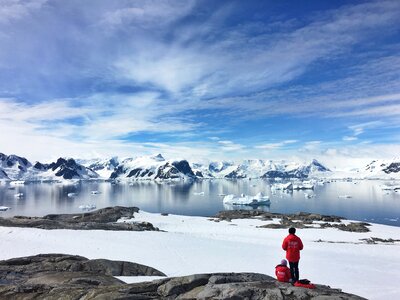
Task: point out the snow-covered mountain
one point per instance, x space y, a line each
287 171
256 168
381 169
103 167
66 169
13 167
152 167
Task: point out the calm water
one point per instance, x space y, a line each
368 202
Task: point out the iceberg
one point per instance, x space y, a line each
258 199
390 187
282 186
4 208
17 182
87 207
303 186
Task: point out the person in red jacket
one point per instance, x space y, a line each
292 244
282 272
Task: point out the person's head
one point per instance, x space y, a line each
284 262
292 230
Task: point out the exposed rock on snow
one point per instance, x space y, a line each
289 171
104 219
66 169
152 168
55 276
298 220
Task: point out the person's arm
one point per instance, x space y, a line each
284 244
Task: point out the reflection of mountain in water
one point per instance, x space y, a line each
368 203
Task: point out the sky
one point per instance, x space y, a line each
202 80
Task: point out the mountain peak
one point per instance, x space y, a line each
158 157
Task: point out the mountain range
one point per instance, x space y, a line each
13 167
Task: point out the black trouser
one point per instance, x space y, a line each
294 270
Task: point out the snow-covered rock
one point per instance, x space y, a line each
300 171
103 167
13 166
152 168
3 175
382 169
64 169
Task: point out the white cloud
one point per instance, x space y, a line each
11 10
349 138
230 146
274 146
148 13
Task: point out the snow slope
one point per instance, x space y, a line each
198 245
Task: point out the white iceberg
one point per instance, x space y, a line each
71 195
87 207
282 186
17 182
258 199
303 186
4 208
390 187
198 193
19 195
95 192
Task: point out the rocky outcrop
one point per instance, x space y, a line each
57 276
104 219
298 220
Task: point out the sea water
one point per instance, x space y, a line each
362 200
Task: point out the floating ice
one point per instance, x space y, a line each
258 199
87 207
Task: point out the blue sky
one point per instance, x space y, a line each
201 79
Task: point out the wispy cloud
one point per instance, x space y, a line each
103 73
274 146
230 146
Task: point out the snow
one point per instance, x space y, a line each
201 245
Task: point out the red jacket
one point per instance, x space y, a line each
282 273
292 245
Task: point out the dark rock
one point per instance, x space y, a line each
298 220
183 167
392 168
235 175
81 285
117 171
104 219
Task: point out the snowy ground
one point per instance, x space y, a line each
198 245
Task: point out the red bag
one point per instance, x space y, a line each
304 283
